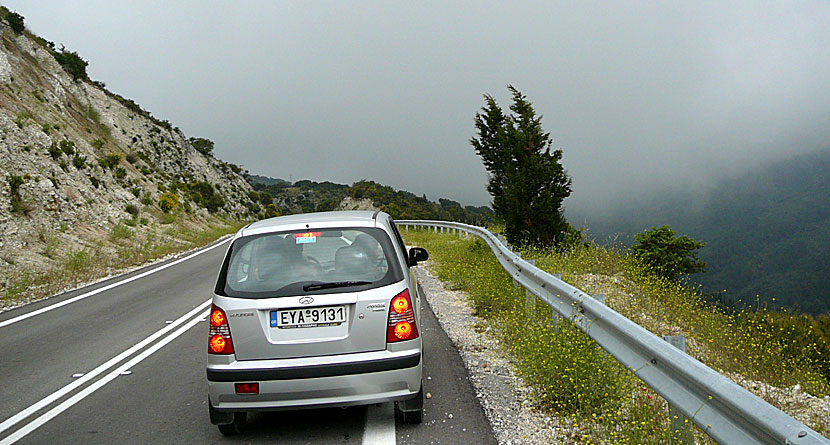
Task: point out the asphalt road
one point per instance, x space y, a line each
127 365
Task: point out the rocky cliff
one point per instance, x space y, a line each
83 169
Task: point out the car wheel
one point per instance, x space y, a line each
412 416
235 427
412 410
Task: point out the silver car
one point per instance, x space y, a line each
313 311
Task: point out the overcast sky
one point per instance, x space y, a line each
640 96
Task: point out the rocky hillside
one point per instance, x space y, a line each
83 169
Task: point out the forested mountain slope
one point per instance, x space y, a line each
310 196
767 232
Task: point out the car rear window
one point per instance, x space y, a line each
291 263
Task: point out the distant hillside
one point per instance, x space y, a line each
88 177
767 232
309 196
264 180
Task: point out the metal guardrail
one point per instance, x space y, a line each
723 409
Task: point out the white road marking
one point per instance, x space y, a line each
49 415
380 425
107 287
46 401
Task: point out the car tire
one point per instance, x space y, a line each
412 410
412 416
235 427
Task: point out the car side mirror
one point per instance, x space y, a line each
417 254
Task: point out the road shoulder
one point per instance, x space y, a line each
506 400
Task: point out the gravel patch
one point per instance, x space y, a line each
507 401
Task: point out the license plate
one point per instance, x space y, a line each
308 317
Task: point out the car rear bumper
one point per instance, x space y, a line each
353 379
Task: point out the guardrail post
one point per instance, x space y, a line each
600 298
681 426
406 228
530 299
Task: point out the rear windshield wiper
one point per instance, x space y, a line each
334 284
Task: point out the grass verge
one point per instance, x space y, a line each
574 379
123 248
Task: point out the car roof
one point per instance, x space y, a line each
354 218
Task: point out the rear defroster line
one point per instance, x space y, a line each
190 319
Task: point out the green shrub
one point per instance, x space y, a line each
120 173
202 145
79 161
136 191
46 128
54 151
271 211
72 63
98 144
16 22
18 206
147 199
110 161
669 255
15 182
168 202
68 147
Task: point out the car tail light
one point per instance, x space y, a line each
219 336
247 388
401 324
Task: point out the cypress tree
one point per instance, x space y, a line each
525 174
